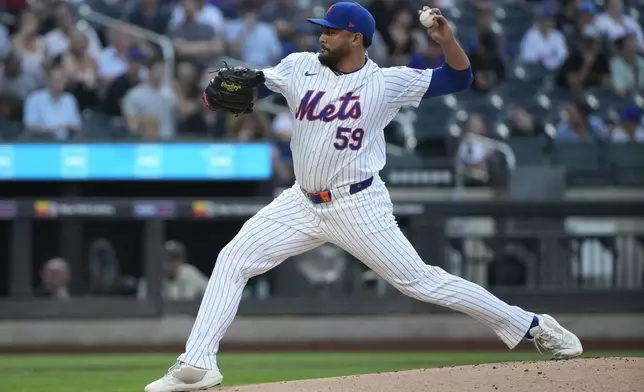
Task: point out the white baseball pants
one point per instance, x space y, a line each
363 224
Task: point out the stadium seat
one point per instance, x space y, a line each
627 163
433 116
516 91
9 130
584 162
28 136
599 98
536 73
517 11
97 126
528 151
490 107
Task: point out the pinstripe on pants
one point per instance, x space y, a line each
364 225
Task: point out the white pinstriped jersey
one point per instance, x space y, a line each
338 137
338 140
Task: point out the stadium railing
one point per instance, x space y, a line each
563 265
87 14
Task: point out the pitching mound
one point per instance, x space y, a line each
582 375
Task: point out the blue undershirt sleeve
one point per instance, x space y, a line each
447 80
263 92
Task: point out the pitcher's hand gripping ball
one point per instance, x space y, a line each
233 90
427 17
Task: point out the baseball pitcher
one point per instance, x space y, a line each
341 102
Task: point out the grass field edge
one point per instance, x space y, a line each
317 346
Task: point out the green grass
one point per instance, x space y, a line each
130 372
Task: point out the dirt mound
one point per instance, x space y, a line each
583 375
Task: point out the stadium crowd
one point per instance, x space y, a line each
61 78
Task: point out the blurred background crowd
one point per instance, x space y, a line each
105 70
568 69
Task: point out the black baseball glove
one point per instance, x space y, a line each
233 89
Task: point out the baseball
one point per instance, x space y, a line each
427 18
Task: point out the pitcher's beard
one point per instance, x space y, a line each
331 58
328 61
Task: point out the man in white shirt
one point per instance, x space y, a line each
154 100
473 153
113 60
181 281
614 23
630 128
57 41
543 44
194 41
52 111
252 40
207 14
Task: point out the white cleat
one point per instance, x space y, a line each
183 378
551 336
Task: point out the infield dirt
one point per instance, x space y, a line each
582 375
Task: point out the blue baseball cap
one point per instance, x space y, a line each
348 16
586 6
632 113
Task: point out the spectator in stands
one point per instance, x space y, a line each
301 40
55 277
253 41
627 67
486 23
378 49
154 99
57 40
383 12
113 61
487 64
249 128
586 66
614 23
5 42
121 85
630 128
81 71
281 10
284 15
523 124
473 153
442 4
204 12
28 44
148 16
574 18
52 112
544 45
188 93
427 54
567 16
16 83
401 36
181 280
579 124
44 10
194 40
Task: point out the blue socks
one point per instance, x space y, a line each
535 323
